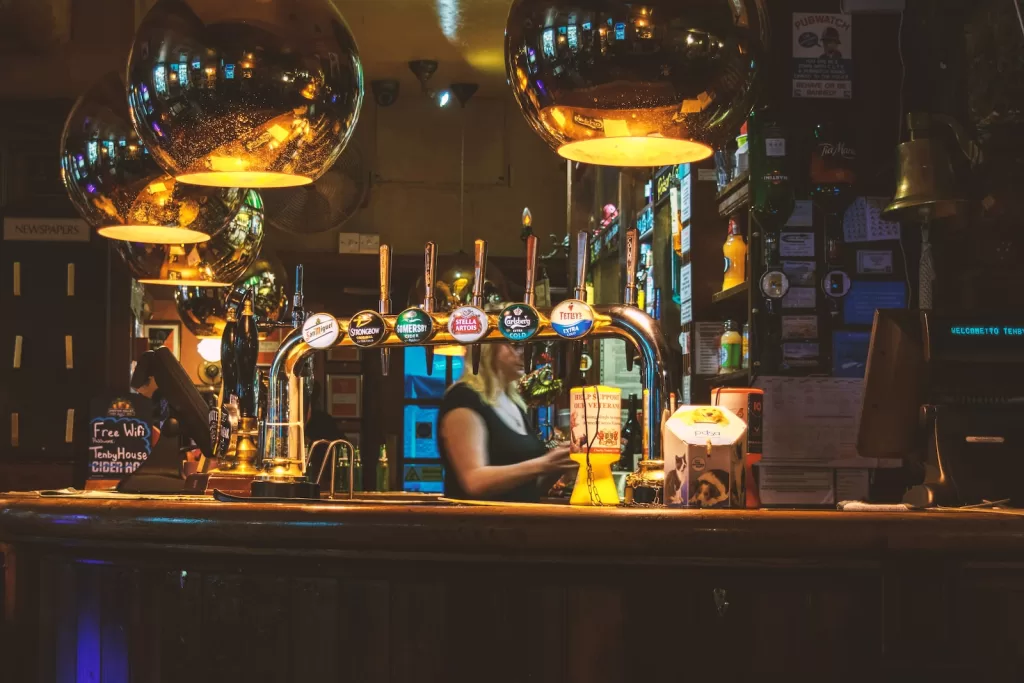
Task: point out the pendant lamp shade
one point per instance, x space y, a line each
245 94
203 310
629 84
218 262
118 188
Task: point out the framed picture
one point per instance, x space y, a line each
343 397
167 334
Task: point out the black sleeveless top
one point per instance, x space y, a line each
504 445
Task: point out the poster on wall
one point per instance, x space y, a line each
822 56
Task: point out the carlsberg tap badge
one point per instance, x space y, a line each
518 322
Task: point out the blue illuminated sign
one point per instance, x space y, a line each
958 331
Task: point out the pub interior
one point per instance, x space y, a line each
511 340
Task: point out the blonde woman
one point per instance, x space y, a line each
488 448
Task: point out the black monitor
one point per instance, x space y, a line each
190 409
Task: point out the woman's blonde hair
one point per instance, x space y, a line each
487 383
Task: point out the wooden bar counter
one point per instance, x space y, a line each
169 590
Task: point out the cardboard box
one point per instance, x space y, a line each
704 458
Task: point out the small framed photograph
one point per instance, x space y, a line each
344 396
167 334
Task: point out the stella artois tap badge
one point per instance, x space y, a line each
468 324
518 322
572 319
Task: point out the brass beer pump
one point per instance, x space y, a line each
479 274
284 460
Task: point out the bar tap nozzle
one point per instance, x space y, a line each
429 279
384 305
479 276
629 297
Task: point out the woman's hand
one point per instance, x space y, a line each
557 461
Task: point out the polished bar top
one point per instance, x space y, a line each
495 531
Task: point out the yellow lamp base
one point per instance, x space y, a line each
602 490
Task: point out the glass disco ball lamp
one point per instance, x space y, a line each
245 94
635 84
203 310
218 262
117 187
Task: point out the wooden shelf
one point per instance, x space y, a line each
735 196
731 293
729 377
733 185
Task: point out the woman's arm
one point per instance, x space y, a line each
465 438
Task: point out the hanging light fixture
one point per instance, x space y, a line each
118 188
218 262
252 94
203 310
627 84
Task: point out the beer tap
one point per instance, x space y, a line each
298 309
479 275
629 297
530 297
429 279
580 292
384 305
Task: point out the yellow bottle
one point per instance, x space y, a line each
735 251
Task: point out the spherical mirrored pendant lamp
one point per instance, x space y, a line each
245 94
203 310
218 262
118 188
635 84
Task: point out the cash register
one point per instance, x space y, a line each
946 393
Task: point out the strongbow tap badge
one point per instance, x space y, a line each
572 319
367 328
468 324
518 322
414 326
320 330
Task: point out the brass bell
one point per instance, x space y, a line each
926 189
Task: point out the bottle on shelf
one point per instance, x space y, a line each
383 481
247 348
771 184
746 346
632 439
735 252
357 464
730 358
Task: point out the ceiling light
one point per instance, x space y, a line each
117 187
642 89
218 262
443 98
276 109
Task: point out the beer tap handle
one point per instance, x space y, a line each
479 277
582 258
429 280
298 300
384 306
531 270
632 249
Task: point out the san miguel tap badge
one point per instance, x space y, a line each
414 326
572 319
367 328
518 322
468 324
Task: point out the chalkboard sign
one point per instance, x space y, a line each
120 436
